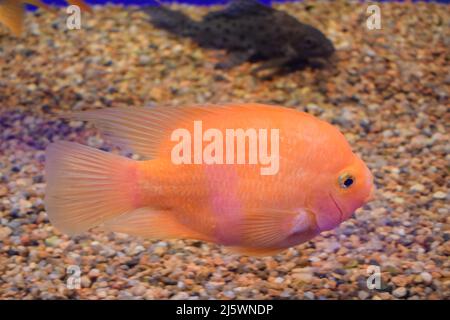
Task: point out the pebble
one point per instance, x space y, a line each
363 295
229 294
53 241
426 277
440 195
85 282
144 60
139 290
4 233
302 274
278 280
309 295
181 296
94 273
400 292
417 188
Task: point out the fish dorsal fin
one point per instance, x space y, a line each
238 8
141 130
246 7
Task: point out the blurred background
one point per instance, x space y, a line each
386 89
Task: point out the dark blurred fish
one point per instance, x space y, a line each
249 31
12 12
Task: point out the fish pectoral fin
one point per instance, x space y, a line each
152 224
234 59
276 63
263 230
12 14
266 227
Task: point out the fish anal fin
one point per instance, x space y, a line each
255 252
152 224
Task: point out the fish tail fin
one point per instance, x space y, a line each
87 187
173 21
12 14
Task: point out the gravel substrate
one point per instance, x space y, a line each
388 91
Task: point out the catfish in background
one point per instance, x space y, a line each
250 31
12 12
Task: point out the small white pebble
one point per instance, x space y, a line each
94 273
279 280
309 295
417 188
363 295
400 292
440 195
229 294
426 277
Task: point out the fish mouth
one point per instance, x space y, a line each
337 207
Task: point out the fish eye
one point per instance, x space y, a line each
346 181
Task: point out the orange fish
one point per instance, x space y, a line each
12 12
195 184
80 3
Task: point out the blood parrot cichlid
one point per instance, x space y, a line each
317 182
12 12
